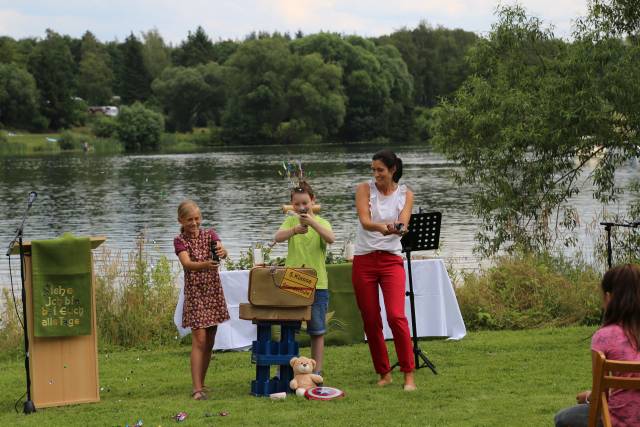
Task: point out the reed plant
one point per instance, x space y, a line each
106 146
523 291
10 324
135 298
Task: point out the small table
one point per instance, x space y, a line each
437 311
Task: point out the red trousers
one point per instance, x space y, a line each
386 270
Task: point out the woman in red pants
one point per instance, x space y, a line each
384 208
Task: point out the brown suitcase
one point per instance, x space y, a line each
252 312
267 290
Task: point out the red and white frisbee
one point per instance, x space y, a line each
323 393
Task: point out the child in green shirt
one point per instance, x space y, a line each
307 236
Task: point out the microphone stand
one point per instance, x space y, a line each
29 407
607 227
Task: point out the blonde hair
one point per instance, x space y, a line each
185 208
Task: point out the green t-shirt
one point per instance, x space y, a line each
308 249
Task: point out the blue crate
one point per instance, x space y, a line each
266 353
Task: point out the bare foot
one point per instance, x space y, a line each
199 395
409 384
385 379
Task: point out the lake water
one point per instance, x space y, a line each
238 189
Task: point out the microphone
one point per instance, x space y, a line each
32 198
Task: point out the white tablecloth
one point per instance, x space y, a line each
437 311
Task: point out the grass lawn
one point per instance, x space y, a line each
29 143
489 378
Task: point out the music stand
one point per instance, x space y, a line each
607 227
423 234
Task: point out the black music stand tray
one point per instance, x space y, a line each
607 227
423 234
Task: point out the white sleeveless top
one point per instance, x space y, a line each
383 209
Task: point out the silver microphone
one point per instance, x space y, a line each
32 198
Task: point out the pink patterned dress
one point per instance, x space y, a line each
624 405
204 303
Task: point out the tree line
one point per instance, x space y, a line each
267 88
528 117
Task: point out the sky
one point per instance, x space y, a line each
234 19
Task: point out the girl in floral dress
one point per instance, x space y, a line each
204 304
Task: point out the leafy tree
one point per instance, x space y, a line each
157 56
180 90
399 107
215 95
116 59
277 95
258 103
222 50
52 66
8 50
316 99
18 97
375 80
139 128
75 48
197 49
435 57
609 36
191 95
95 79
611 18
528 124
135 80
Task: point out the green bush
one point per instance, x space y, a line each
104 127
205 137
39 123
171 143
296 132
139 128
69 141
530 291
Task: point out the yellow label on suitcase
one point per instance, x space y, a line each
298 283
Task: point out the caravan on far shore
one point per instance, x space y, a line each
107 110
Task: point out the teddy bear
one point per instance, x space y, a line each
303 376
